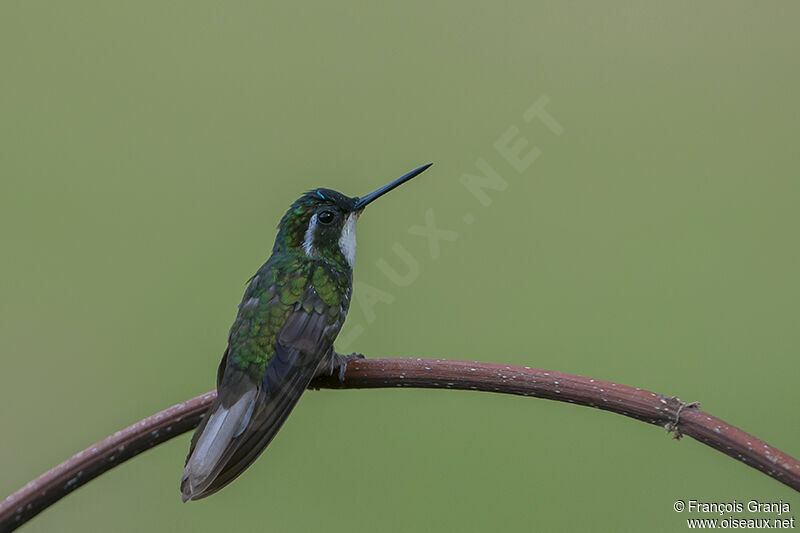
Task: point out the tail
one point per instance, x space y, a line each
241 425
214 442
249 412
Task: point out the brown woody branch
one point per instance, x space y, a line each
669 412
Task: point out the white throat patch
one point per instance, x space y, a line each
347 241
308 242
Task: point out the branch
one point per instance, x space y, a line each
669 412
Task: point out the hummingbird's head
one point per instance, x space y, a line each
322 222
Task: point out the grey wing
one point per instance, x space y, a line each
304 343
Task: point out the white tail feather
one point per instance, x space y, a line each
223 426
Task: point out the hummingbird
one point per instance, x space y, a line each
291 312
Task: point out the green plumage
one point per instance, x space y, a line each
290 314
278 288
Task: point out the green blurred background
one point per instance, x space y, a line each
148 149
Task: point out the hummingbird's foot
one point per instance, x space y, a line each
340 361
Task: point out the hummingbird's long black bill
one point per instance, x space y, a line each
362 202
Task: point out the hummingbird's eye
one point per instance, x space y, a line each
325 217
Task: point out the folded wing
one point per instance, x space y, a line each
244 419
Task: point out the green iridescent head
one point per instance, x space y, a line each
322 222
